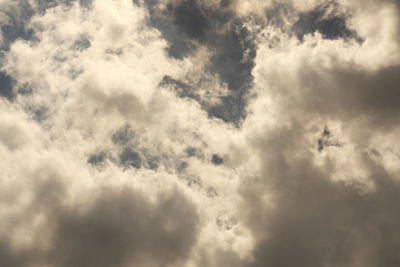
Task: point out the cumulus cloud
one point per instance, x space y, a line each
199 133
123 227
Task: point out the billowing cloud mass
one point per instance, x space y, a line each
217 133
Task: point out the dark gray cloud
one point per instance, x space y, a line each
118 228
123 228
352 93
314 221
10 257
221 258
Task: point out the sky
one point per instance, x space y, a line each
199 133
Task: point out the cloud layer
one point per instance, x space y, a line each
199 133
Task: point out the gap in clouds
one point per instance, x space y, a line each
188 25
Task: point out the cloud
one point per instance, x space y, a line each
324 20
199 133
123 227
193 25
333 207
117 227
302 212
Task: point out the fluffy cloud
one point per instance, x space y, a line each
199 133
